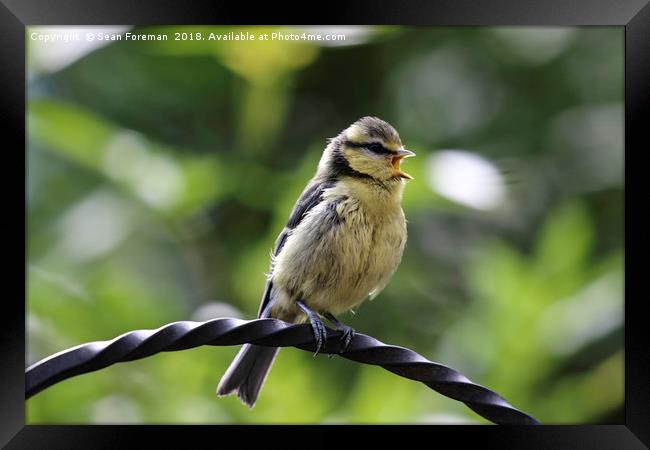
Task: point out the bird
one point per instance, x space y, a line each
341 245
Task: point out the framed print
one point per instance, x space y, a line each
176 158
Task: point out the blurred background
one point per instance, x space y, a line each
159 174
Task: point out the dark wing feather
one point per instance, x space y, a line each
310 197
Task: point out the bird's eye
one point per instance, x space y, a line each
376 147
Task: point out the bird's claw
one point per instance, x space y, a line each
346 337
320 333
347 333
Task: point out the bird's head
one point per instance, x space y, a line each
369 148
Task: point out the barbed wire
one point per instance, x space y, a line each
184 335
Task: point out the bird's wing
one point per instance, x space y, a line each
311 196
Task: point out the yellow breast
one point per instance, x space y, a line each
345 248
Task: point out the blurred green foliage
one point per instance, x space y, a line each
160 173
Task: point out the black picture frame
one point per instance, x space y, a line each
633 15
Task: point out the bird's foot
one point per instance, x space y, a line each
347 332
320 333
346 338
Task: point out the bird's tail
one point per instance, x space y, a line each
247 373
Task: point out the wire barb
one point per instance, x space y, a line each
184 335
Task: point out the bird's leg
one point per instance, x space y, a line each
348 332
320 333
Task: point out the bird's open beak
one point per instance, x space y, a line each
397 159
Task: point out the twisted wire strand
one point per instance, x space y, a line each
183 335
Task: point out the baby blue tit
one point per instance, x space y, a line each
343 242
